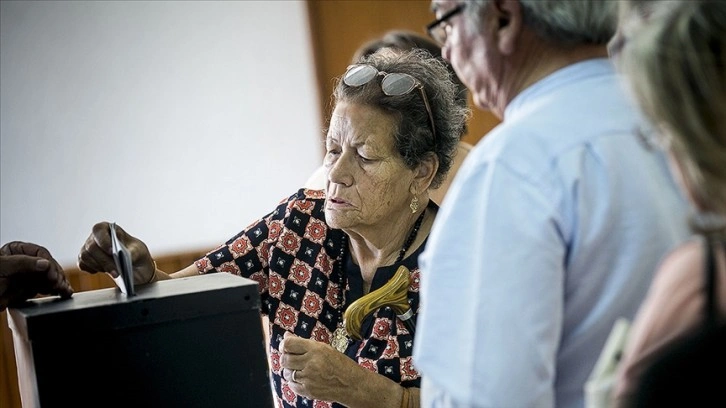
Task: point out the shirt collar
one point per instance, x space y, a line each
570 74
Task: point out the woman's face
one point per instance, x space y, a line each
368 184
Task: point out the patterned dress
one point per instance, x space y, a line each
295 257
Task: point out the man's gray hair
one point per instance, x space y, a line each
565 22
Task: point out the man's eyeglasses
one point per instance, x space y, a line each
437 29
393 84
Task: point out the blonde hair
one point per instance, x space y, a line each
393 294
676 67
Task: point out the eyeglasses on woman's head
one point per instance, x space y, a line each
393 84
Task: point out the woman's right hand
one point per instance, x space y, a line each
96 254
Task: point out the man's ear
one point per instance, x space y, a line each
424 174
509 24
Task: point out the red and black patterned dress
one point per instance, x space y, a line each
294 255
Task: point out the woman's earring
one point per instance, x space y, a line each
414 205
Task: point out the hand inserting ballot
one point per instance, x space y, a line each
97 254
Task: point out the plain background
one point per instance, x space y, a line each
180 121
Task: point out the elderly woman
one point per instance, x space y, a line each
391 139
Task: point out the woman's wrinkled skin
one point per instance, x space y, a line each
369 188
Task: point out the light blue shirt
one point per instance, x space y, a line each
551 230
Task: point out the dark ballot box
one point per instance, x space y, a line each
189 342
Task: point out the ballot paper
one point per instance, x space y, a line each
122 259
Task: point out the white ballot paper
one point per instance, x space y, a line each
122 258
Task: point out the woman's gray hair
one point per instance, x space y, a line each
414 139
565 22
676 67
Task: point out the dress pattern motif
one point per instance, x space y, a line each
291 254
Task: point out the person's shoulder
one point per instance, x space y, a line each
299 209
306 195
674 303
311 194
681 270
515 145
686 258
576 102
307 200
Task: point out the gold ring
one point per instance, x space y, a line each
292 377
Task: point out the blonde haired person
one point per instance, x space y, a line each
675 66
555 223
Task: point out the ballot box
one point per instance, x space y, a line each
189 342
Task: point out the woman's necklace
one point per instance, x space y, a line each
340 339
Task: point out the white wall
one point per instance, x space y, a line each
181 121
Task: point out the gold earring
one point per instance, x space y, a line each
414 205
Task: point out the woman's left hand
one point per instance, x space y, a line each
316 370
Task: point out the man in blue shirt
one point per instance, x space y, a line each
556 221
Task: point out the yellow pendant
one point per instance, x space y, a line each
340 339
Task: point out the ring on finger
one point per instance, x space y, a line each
292 376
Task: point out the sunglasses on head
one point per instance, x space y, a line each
393 84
